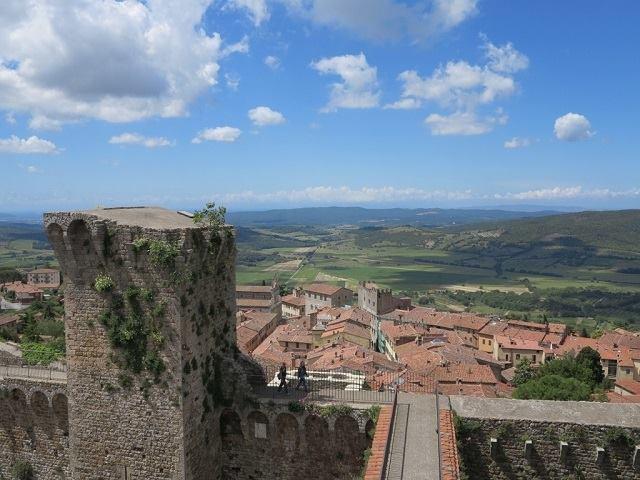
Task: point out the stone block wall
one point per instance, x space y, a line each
545 461
34 428
273 442
151 359
583 427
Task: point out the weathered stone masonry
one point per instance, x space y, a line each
563 439
34 427
146 408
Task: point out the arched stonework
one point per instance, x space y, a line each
287 432
258 425
60 410
82 249
316 431
56 238
39 403
347 436
230 426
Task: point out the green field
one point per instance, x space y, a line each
555 259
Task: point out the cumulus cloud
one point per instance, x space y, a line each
108 60
504 59
463 123
137 139
256 9
464 90
387 19
572 127
218 134
359 85
517 142
31 145
272 62
264 116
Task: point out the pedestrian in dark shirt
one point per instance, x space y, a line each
282 376
302 377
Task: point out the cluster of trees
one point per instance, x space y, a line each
567 302
40 332
570 377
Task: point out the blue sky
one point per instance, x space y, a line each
283 103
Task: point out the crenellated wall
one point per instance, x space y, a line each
272 442
534 439
34 427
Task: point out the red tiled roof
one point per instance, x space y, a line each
375 463
323 288
465 374
617 398
293 300
253 303
517 343
44 270
631 386
450 463
254 288
620 338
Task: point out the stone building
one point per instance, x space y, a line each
260 298
149 299
322 295
380 301
44 277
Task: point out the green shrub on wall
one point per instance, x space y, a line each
22 470
103 283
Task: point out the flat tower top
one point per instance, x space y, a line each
146 217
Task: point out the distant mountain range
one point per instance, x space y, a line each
358 216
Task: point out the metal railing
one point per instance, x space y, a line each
32 372
343 385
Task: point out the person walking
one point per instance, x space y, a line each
282 376
302 377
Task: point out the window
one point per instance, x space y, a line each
517 356
507 357
533 358
483 341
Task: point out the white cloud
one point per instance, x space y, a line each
117 61
344 194
572 127
137 139
218 134
387 19
463 123
359 86
272 62
29 145
464 90
517 142
504 59
256 9
30 169
10 118
263 116
404 104
233 81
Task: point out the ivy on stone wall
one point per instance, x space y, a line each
133 333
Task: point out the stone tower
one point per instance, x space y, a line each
150 332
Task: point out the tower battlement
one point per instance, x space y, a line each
150 332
